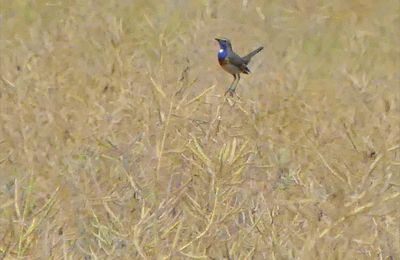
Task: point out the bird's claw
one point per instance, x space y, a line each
230 91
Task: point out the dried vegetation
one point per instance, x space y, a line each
116 141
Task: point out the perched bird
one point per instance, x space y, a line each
233 63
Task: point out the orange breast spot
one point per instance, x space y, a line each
222 62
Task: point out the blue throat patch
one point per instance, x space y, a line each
222 53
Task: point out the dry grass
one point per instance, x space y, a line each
116 141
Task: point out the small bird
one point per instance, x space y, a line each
233 63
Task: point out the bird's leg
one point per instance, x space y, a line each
237 82
230 89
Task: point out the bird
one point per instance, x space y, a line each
233 63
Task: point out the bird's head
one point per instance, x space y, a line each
224 43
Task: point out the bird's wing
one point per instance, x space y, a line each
236 60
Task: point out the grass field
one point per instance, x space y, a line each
116 140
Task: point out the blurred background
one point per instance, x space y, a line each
116 140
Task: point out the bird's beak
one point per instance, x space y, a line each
217 39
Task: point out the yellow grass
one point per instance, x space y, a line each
116 141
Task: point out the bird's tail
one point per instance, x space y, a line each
248 57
